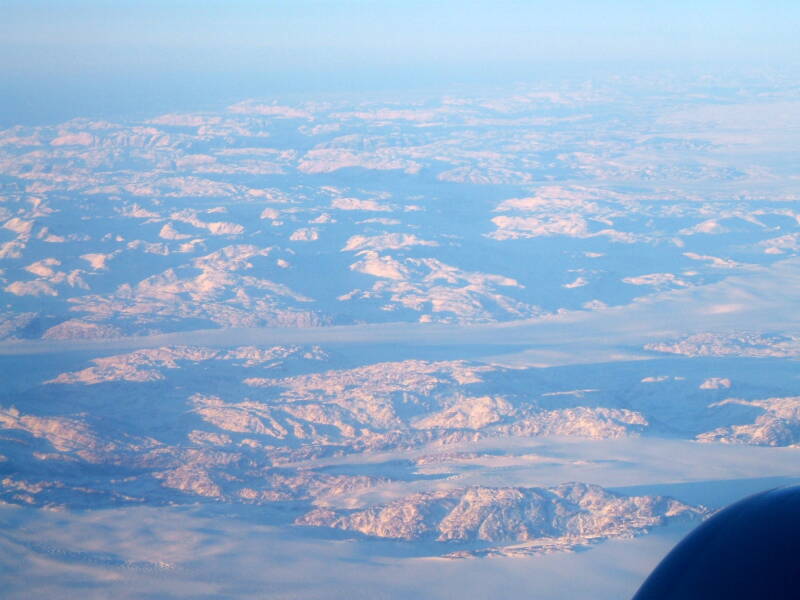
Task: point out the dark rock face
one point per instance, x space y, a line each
749 550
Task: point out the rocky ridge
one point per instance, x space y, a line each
256 425
540 520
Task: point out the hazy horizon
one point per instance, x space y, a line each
104 59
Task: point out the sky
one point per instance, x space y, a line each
60 57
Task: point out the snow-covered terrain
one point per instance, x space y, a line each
550 326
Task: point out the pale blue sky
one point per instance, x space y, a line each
325 30
146 47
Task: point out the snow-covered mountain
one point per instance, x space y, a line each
380 332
